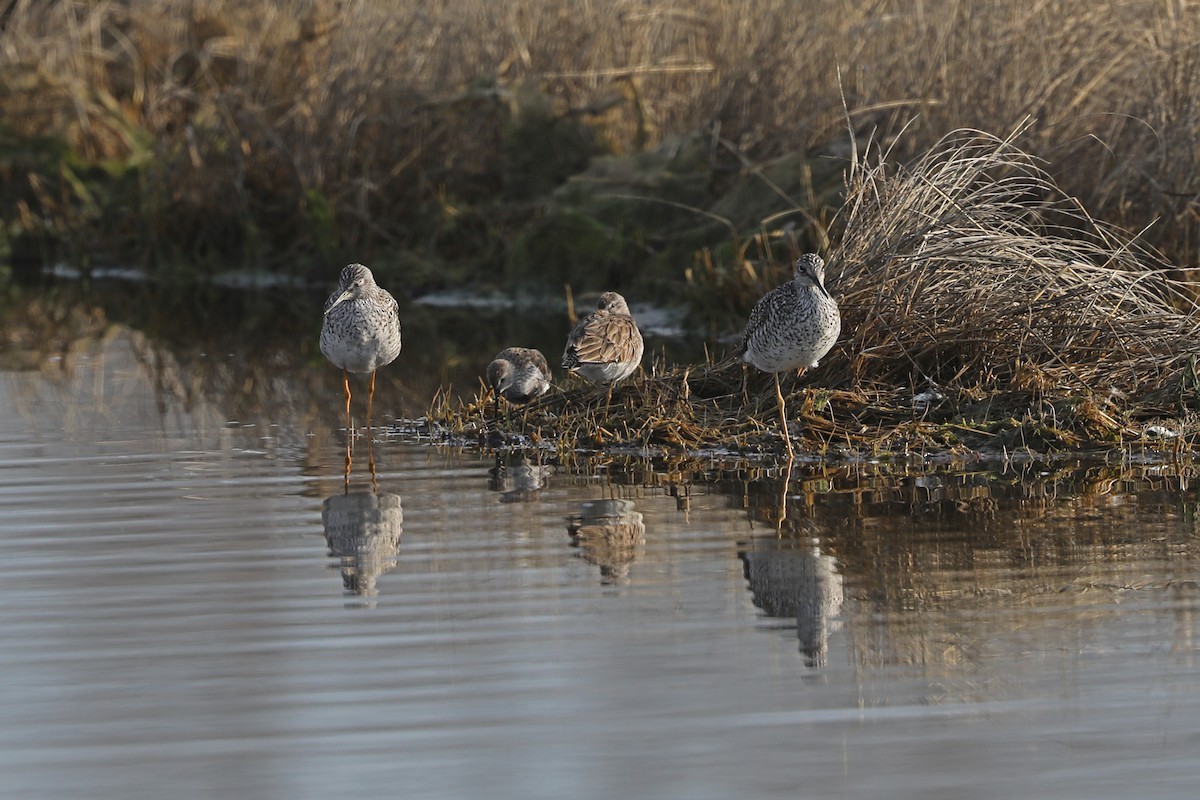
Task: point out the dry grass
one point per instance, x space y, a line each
388 129
971 266
968 278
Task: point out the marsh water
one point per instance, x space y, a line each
193 603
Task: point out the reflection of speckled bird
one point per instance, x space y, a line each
516 478
792 326
606 345
363 533
361 331
519 374
795 579
610 534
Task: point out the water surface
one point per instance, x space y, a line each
194 605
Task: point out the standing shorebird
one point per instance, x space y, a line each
520 374
606 345
361 332
791 327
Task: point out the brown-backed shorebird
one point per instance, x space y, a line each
520 374
791 327
361 332
606 345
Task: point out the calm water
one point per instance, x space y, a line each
193 606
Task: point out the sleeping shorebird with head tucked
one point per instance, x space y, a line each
791 327
361 330
606 345
519 374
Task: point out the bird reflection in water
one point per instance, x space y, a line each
791 577
518 479
609 534
363 530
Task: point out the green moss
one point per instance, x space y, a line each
540 148
323 229
571 246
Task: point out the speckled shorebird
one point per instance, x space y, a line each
520 374
606 345
361 332
791 327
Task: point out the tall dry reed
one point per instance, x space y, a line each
322 127
971 267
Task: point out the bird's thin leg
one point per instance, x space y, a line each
370 438
370 398
745 381
346 382
787 437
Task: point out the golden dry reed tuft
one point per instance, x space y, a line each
981 308
350 126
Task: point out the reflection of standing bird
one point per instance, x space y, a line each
610 534
795 579
792 326
606 345
363 533
361 332
520 374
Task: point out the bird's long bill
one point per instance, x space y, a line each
820 286
346 295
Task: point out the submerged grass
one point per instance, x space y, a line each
701 410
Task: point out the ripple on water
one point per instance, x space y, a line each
185 614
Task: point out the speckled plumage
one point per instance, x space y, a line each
606 345
361 331
519 374
791 327
795 324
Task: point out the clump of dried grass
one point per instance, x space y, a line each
966 276
971 269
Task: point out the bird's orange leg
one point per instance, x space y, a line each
370 399
370 448
783 421
346 382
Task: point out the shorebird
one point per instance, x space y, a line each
520 374
606 345
361 331
791 327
